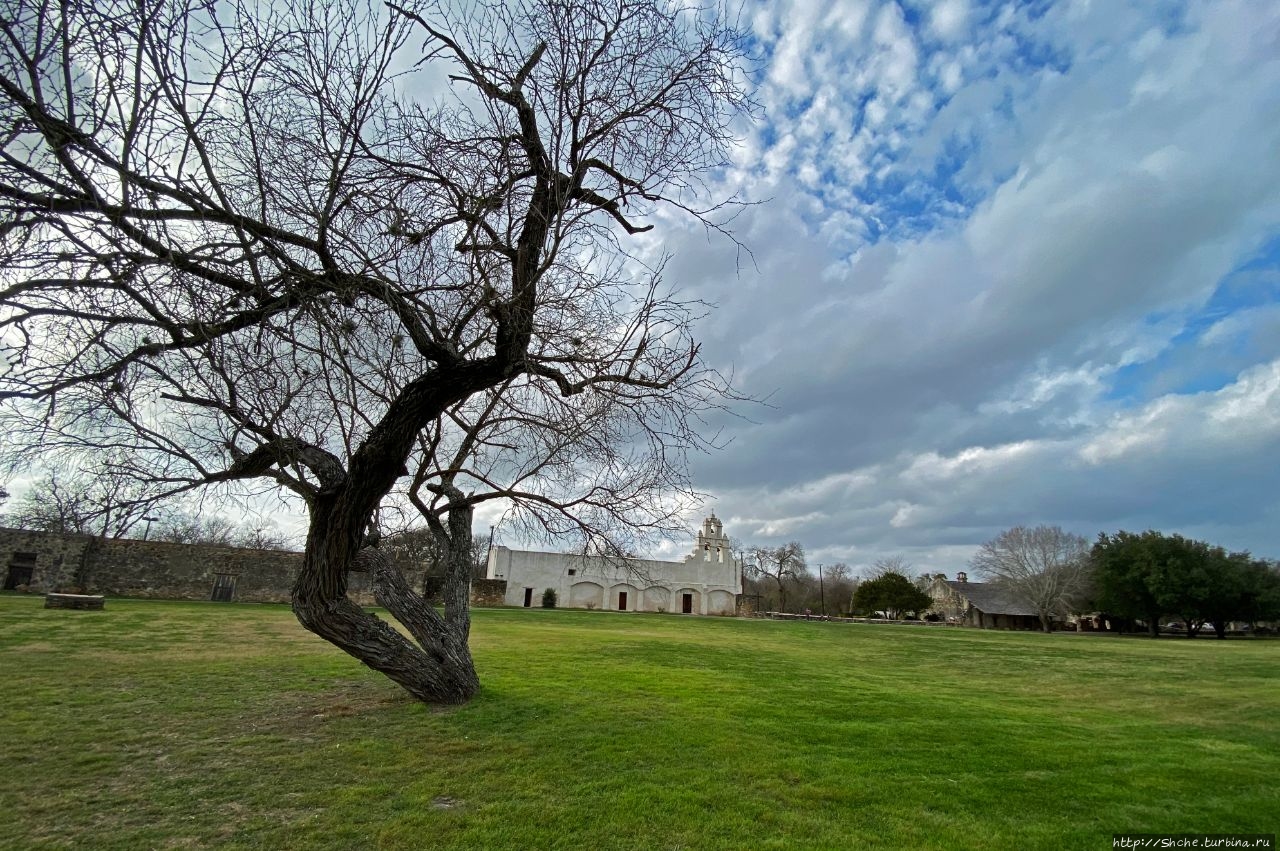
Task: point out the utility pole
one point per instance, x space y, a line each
822 597
488 553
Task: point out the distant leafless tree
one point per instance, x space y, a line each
75 502
257 537
180 528
1044 567
421 549
781 565
891 564
840 585
249 245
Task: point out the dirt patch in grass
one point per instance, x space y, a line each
296 712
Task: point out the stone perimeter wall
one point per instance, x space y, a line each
162 570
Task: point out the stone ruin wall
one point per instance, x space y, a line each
161 570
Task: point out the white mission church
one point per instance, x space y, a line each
707 582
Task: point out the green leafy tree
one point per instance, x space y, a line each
1262 591
1187 577
1244 588
549 598
1123 564
1152 575
891 593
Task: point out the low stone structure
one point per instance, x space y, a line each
708 581
88 602
488 592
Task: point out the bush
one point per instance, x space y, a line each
549 598
892 593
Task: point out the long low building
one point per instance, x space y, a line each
707 582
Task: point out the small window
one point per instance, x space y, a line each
573 571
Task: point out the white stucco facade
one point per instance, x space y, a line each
707 582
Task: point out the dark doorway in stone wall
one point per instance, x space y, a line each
21 567
528 598
686 604
18 575
622 601
224 587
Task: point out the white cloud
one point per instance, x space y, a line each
949 18
961 374
1236 419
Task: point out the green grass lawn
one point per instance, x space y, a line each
172 725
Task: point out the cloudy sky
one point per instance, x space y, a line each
1019 265
1014 263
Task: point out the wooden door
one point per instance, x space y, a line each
622 601
224 587
686 603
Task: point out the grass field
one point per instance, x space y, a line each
172 725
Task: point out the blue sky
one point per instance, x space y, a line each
1017 263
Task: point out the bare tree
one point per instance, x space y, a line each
259 537
247 245
1044 567
890 564
67 501
182 528
781 565
841 584
420 549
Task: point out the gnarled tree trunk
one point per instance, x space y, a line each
436 666
436 669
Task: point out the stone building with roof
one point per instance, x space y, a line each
980 604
